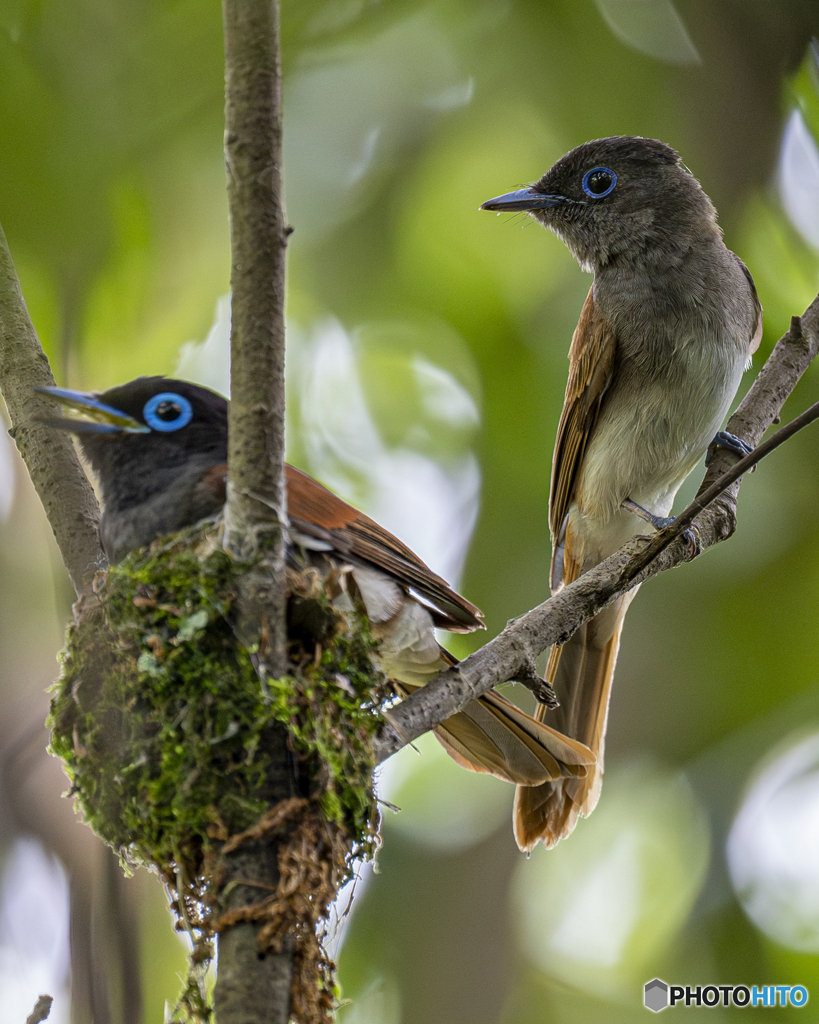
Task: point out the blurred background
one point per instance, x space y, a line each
427 363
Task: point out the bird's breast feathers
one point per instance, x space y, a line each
669 389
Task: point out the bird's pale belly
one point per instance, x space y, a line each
647 441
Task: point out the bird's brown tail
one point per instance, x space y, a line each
582 681
493 736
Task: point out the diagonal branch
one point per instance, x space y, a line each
712 513
49 455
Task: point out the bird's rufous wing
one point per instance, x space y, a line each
317 512
591 364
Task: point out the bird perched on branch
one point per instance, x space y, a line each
670 323
158 449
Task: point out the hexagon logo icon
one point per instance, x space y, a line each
655 995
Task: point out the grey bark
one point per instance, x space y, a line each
256 500
62 486
254 987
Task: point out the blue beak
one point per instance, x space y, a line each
522 200
99 417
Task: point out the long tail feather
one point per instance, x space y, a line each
548 812
493 736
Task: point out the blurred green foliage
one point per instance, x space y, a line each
400 119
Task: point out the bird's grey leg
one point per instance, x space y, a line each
722 439
690 534
658 522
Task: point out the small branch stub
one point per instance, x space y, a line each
42 1008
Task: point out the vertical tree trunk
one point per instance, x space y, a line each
256 501
253 988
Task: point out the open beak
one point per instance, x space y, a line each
522 200
91 416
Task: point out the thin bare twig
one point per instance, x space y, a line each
518 645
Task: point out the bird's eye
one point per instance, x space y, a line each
167 411
599 182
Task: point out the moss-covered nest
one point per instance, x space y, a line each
169 737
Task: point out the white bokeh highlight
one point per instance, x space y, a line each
596 911
441 806
773 847
350 111
34 930
609 895
6 471
432 507
798 178
652 27
379 1003
208 362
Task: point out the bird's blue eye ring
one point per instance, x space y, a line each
167 411
599 182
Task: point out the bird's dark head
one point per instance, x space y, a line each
621 198
139 434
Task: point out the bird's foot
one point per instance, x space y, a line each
691 535
731 443
540 687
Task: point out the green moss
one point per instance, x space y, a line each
164 727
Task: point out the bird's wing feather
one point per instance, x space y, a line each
591 362
319 513
756 337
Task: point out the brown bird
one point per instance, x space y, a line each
158 449
670 323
